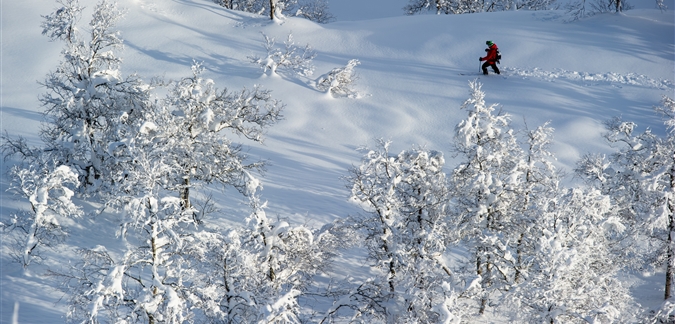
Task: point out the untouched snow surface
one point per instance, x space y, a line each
413 77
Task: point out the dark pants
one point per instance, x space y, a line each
493 65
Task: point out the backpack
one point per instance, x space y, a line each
499 55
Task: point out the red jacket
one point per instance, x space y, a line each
491 56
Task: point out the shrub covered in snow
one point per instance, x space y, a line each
291 57
339 81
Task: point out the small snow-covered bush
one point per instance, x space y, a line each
315 10
291 57
339 81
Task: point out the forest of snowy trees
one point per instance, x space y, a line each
318 10
498 233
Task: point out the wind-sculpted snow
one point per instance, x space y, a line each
617 79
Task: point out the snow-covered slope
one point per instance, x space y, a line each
413 78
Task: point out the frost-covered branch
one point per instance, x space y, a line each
61 24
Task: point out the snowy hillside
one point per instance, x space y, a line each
413 78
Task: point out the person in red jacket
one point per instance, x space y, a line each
491 58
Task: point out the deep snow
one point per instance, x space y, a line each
414 76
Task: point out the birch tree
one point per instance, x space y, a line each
87 96
573 276
197 119
483 191
405 199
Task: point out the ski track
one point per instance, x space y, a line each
632 79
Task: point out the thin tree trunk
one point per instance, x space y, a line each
483 305
392 268
153 246
519 262
385 246
185 193
271 275
272 8
479 272
670 271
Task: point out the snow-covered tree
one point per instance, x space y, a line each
49 193
485 196
286 257
663 186
662 6
583 8
534 5
87 97
339 81
600 6
573 277
406 233
535 181
621 178
254 6
275 9
315 10
291 58
417 6
577 10
149 281
256 274
194 123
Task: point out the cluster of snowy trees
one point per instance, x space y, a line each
107 141
315 10
498 235
474 6
576 8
